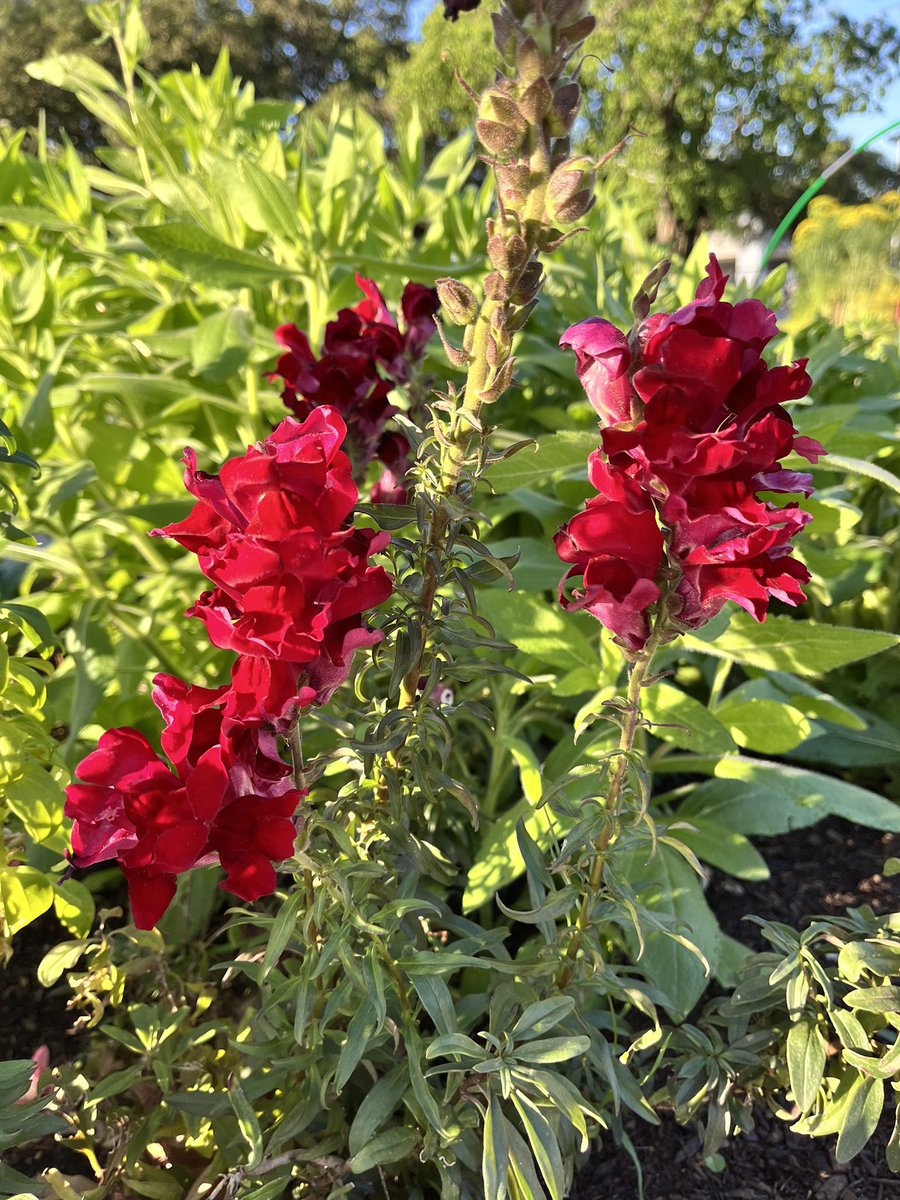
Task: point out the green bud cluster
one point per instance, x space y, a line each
523 124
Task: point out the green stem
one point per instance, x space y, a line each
131 98
638 674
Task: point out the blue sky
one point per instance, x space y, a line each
857 127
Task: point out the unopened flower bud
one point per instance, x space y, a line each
498 106
495 287
498 139
504 35
575 177
573 35
536 101
520 316
457 301
575 208
529 61
566 99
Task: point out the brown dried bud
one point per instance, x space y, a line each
498 139
566 100
495 287
536 101
573 35
457 301
529 284
498 253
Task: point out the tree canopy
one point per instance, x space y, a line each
730 105
290 49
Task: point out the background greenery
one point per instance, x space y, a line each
140 287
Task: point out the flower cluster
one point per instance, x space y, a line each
364 356
693 430
230 800
292 582
292 578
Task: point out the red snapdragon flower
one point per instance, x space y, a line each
693 416
229 800
364 356
292 579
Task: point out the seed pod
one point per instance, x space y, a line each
536 101
529 284
498 253
529 61
566 100
498 139
497 106
495 287
573 35
575 208
457 301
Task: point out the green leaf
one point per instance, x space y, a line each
248 1124
74 906
359 1032
724 848
552 1050
544 1145
783 644
767 726
670 887
72 71
539 629
495 1151
282 929
556 454
806 1061
542 1016
391 1146
499 860
204 259
685 722
220 344
754 796
57 960
861 1118
882 999
37 424
376 1107
25 893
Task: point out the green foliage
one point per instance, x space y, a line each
736 102
290 51
843 259
810 1029
393 1019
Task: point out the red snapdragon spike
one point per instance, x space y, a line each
692 414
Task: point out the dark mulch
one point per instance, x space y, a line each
822 870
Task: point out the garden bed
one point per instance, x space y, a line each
824 869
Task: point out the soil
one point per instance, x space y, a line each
822 870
